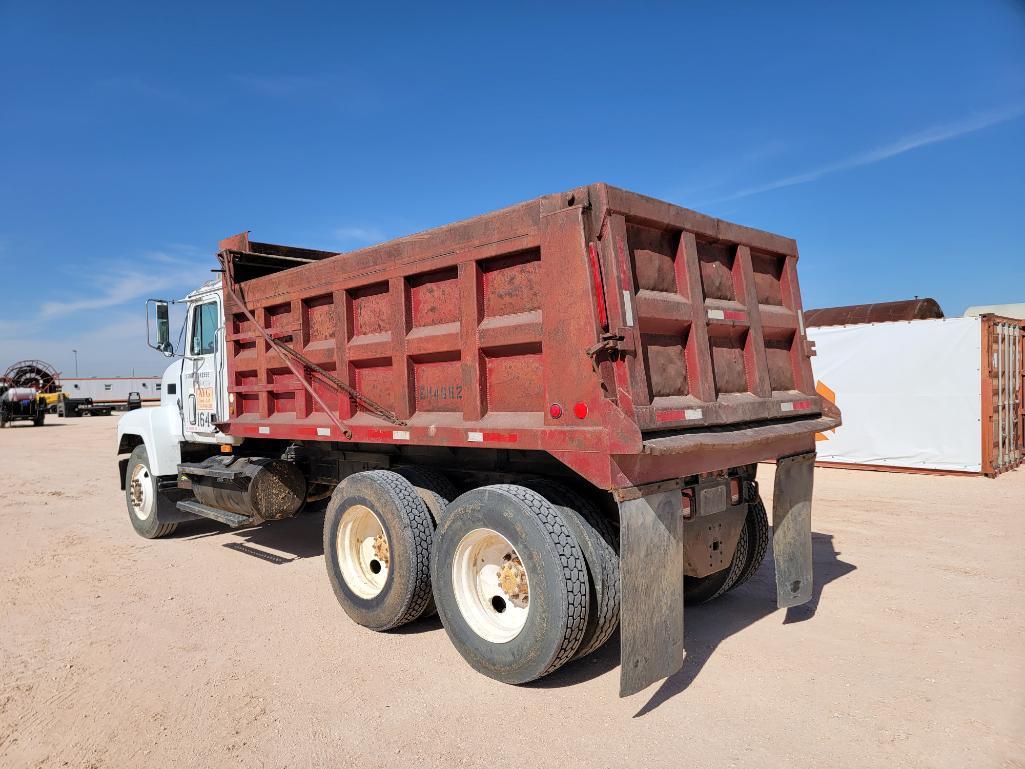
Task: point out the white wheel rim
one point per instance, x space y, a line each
363 551
491 585
141 492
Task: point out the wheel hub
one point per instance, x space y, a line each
141 492
136 493
512 578
362 550
381 549
491 585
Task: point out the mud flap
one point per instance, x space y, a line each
651 589
791 529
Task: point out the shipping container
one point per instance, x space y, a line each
938 395
1003 385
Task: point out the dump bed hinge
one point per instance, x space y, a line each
612 344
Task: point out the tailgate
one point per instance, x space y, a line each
713 310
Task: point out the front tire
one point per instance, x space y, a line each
377 547
510 583
146 505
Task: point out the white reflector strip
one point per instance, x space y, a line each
693 414
323 431
716 314
400 435
264 431
628 308
786 407
475 437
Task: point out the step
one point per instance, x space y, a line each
222 470
197 508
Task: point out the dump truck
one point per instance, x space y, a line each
543 423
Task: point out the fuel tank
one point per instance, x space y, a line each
263 488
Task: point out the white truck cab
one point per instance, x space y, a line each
193 392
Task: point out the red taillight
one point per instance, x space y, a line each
734 491
599 285
555 410
580 410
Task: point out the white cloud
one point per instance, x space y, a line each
359 234
119 282
934 135
103 316
120 290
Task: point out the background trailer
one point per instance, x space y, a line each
932 395
113 390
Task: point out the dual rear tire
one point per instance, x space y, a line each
748 557
524 579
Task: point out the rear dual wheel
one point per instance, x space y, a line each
599 541
510 583
748 557
378 535
524 579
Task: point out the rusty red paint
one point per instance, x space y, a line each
488 322
880 312
599 285
491 437
671 416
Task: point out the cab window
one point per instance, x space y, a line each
204 329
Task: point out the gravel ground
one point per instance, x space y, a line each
219 648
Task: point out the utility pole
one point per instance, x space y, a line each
76 363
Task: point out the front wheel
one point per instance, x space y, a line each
146 505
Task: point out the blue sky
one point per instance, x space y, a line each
888 138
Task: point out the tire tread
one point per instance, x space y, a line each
571 559
604 573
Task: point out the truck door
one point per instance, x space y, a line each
204 403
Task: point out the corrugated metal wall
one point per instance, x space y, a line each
1003 384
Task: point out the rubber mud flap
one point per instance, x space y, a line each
651 590
791 529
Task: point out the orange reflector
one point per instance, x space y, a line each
225 448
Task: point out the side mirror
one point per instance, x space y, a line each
163 323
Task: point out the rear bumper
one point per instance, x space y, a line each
764 436
671 457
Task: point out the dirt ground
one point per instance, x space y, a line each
219 648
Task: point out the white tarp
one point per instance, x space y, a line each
910 393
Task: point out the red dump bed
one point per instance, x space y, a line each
633 340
